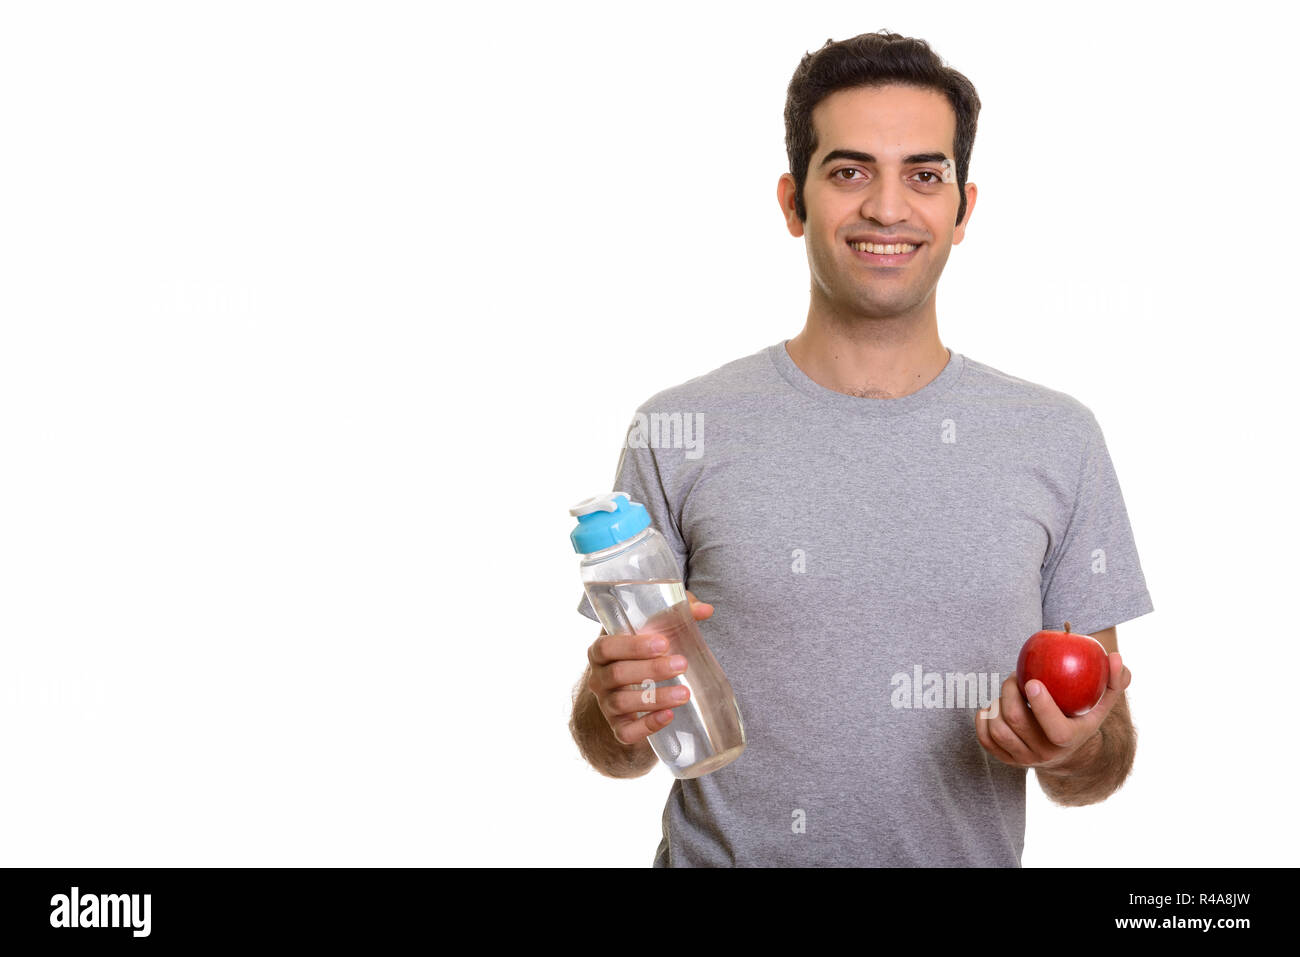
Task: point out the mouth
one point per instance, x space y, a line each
884 254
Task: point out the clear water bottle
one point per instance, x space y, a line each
634 585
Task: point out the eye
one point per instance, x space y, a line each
845 179
934 177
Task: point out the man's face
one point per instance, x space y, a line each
877 176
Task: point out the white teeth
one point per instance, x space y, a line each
887 249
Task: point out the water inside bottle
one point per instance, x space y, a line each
706 732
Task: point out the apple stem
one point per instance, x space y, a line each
1067 627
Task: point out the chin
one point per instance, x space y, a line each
880 309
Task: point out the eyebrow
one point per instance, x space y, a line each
868 158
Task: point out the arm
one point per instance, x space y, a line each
618 670
1079 760
1097 769
596 741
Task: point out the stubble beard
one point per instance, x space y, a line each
856 304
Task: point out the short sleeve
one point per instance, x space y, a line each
639 475
1092 577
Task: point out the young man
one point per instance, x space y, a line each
878 524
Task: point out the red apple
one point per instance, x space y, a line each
1075 668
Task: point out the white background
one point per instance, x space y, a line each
317 317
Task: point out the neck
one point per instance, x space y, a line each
873 358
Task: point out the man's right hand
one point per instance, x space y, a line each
619 666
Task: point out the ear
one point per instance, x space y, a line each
960 232
785 196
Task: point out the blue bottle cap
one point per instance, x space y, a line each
606 520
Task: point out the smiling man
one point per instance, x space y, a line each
877 523
878 227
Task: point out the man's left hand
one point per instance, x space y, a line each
1043 737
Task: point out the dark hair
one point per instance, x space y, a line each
873 59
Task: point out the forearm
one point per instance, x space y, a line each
1099 767
596 741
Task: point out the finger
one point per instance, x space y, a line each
623 675
1120 676
1117 681
1001 733
610 648
982 721
632 730
700 609
632 702
1116 664
1009 742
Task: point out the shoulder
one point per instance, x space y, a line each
736 381
1022 398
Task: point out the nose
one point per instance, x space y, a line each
886 201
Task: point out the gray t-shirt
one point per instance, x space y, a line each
874 567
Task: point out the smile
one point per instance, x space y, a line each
885 254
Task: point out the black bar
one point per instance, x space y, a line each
375 907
